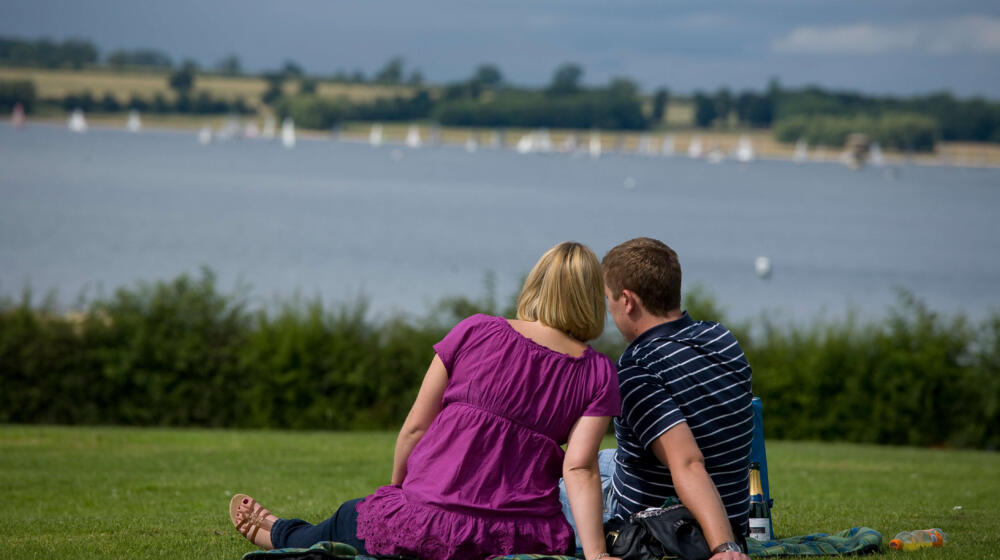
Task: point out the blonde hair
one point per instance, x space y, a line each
565 290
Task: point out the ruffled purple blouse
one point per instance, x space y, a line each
483 479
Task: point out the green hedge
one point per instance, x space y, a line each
181 353
914 378
901 131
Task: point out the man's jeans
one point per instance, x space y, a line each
606 464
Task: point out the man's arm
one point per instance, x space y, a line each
677 449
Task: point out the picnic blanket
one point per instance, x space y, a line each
858 540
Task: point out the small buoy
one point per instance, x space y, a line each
762 265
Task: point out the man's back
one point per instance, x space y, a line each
684 371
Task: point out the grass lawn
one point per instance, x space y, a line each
160 493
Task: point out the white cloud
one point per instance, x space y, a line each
958 35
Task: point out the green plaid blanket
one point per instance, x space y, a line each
859 540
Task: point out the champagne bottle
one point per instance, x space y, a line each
760 516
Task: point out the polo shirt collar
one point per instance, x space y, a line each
662 330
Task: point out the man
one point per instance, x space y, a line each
686 422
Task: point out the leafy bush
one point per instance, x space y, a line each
180 353
902 131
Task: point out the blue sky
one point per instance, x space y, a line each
877 46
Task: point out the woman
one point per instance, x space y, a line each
478 459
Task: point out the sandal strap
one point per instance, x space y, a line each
255 521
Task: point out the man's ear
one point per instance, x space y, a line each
631 300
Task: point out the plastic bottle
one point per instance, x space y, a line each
913 540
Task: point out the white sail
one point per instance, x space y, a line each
413 137
526 144
801 151
667 147
875 155
715 154
569 144
134 123
594 146
471 144
288 133
543 141
77 123
205 135
695 149
17 116
744 150
268 131
645 145
375 135
762 266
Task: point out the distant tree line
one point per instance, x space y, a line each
482 100
826 117
486 99
46 53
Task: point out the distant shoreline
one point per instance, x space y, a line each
950 154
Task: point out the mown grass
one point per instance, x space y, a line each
161 493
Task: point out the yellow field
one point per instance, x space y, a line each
58 83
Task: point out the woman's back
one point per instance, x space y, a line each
492 456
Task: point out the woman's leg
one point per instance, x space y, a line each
342 527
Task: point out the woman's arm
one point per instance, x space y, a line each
425 408
583 482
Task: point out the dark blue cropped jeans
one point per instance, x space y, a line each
342 527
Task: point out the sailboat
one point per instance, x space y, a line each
526 144
288 133
413 137
471 144
496 139
570 144
134 124
801 151
744 150
268 131
875 155
375 136
667 148
645 145
76 121
594 147
544 141
695 148
205 135
17 116
715 154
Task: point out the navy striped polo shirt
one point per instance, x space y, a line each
684 371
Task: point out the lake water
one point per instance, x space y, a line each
86 213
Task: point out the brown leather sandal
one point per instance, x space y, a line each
250 525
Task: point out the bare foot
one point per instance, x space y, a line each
252 520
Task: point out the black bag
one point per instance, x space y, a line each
655 534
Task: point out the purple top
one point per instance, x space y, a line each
483 479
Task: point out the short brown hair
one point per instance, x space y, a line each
648 268
565 290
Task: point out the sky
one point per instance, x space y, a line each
877 46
